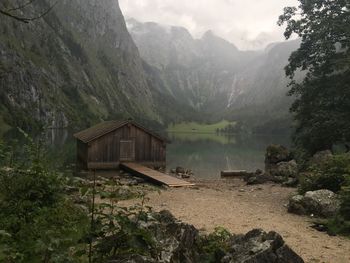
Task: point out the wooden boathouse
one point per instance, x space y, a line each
106 145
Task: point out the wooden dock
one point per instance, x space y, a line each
153 175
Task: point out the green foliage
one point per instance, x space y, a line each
329 175
215 245
340 224
322 105
39 223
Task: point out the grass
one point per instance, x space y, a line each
198 127
194 137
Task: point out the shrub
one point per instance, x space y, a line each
328 175
215 245
341 223
38 221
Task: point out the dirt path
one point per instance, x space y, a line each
240 208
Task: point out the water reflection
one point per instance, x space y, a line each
205 154
208 154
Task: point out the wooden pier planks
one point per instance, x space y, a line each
152 175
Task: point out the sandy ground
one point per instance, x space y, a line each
240 208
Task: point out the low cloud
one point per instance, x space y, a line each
249 24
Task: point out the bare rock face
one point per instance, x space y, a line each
320 203
258 246
76 65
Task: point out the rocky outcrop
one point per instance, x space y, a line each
259 246
181 243
286 169
280 166
76 65
274 155
320 203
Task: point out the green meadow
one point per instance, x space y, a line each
198 127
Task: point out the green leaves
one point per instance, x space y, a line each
40 223
322 101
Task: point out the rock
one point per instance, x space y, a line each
259 246
320 157
320 203
296 205
177 242
276 153
253 180
291 182
132 182
286 169
180 170
185 176
173 171
257 178
124 192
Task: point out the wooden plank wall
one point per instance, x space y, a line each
106 149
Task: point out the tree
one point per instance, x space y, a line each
14 12
322 104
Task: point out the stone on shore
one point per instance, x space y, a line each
320 203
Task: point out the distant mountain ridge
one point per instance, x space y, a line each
82 63
212 75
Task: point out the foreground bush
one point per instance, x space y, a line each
333 174
38 222
328 175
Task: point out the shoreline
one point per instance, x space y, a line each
240 208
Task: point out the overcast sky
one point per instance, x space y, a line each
249 24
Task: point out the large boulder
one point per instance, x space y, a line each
275 154
258 246
320 157
320 203
285 169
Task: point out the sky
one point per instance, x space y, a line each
249 24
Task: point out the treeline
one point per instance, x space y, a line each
321 109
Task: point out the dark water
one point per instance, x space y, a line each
208 154
205 154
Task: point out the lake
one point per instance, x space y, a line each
208 154
204 153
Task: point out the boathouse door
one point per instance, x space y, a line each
127 150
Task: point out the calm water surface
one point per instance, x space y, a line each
208 154
205 154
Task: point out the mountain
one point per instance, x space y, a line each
76 65
213 76
83 63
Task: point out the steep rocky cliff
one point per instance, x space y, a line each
76 65
212 76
